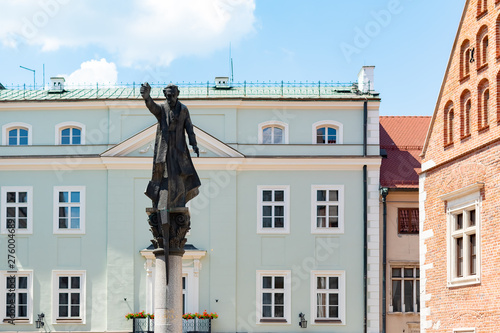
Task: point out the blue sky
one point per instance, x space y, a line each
408 41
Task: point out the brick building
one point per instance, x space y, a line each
459 184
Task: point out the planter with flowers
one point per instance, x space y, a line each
198 322
142 322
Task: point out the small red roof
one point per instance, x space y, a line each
403 139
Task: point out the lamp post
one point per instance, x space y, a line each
34 75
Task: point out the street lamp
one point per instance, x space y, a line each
39 322
34 77
303 321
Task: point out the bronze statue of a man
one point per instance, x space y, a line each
174 181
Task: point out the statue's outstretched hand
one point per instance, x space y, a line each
196 150
145 90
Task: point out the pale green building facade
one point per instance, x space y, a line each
287 219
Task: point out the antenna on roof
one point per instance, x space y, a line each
231 74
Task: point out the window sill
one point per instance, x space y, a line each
273 232
327 231
463 282
481 15
16 321
273 321
448 145
328 321
69 321
482 68
483 129
465 137
465 78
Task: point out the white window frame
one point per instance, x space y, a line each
342 298
4 205
55 297
287 294
69 124
314 228
273 123
3 297
463 200
192 289
402 266
56 228
260 204
7 127
328 123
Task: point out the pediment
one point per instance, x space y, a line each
142 145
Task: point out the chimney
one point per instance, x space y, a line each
366 79
56 85
222 82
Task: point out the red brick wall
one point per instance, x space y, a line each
465 162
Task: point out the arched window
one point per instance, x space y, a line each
16 134
498 97
482 7
449 117
483 104
482 47
465 59
498 37
327 132
70 133
273 132
465 113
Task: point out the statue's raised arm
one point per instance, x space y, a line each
152 106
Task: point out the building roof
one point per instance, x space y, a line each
262 90
403 139
1 86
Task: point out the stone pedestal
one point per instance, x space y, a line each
169 229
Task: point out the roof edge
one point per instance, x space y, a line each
438 102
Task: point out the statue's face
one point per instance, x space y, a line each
171 96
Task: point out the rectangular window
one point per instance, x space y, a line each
464 240
17 297
327 209
273 210
328 297
16 209
408 220
69 296
273 297
69 209
405 282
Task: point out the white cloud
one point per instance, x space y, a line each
92 72
140 33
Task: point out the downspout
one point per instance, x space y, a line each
384 191
365 128
365 244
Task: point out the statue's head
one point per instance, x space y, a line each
171 92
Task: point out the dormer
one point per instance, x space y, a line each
222 82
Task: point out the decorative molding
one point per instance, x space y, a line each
69 124
6 127
149 135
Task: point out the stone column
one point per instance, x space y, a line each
174 292
161 293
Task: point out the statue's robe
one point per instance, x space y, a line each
174 181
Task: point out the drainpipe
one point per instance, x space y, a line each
384 191
365 243
365 128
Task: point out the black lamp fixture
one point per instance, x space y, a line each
39 322
303 321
